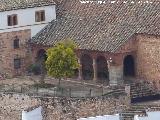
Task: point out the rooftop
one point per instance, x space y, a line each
102 27
7 5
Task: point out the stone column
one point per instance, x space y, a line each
94 69
115 74
79 70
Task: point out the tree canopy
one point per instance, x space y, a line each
62 61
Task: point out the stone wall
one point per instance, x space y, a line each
145 50
8 53
148 57
11 106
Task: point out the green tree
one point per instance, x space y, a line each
62 60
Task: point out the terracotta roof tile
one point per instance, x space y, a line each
7 5
103 27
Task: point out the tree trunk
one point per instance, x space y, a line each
42 78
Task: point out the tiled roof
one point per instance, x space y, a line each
7 5
103 27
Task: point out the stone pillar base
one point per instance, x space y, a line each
115 75
113 83
116 82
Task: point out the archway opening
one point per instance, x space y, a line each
41 55
87 67
129 66
40 61
102 68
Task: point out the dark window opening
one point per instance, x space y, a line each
15 20
16 43
40 16
12 20
9 21
17 63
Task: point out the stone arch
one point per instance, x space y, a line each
41 54
102 68
87 67
41 57
129 66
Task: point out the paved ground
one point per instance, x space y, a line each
33 79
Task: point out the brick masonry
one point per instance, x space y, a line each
8 53
148 57
11 106
145 50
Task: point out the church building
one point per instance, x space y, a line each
117 40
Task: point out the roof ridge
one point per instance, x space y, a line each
8 5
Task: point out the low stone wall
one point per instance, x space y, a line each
11 106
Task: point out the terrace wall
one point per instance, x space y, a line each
11 106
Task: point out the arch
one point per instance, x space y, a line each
41 55
129 66
40 61
87 67
102 68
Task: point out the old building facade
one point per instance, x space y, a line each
19 21
117 42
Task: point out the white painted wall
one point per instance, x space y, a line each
26 19
105 117
155 115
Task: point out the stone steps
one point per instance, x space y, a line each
142 89
147 93
138 110
115 91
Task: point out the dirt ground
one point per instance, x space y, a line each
64 82
79 87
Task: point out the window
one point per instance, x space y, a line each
12 20
16 43
40 16
17 63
